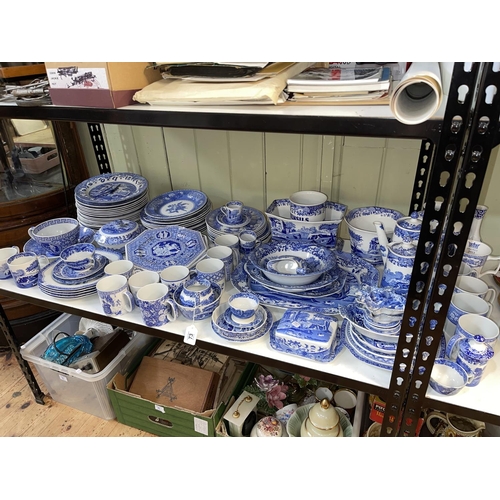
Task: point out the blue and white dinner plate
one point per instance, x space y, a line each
111 189
178 204
156 249
64 274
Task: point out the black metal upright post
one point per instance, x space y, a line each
445 166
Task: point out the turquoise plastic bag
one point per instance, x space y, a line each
68 349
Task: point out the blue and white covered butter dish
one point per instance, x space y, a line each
307 332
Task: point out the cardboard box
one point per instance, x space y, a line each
161 420
98 84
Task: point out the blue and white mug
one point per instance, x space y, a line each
309 206
25 268
212 270
157 308
5 254
114 295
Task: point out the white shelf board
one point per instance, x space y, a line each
344 365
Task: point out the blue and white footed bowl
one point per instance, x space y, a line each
318 260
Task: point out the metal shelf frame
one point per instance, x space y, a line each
450 149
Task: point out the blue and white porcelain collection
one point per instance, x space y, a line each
295 286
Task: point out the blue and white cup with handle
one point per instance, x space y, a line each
477 254
175 276
475 286
212 270
25 268
228 255
157 308
114 295
471 325
228 240
248 241
5 254
140 279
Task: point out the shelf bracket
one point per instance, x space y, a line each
444 168
100 151
422 175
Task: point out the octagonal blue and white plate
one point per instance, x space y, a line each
156 249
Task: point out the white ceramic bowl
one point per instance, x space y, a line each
447 377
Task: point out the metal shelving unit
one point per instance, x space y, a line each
456 142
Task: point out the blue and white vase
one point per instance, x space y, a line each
475 228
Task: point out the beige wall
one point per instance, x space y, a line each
257 168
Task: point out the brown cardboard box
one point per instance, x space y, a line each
175 385
98 84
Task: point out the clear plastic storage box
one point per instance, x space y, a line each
75 388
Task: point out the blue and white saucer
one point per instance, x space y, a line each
86 236
223 221
63 273
260 316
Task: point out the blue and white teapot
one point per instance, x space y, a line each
399 258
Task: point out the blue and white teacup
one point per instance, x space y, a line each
157 308
228 240
248 241
196 292
243 306
233 212
25 268
55 235
114 295
79 257
309 206
5 254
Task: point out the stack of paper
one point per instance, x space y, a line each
266 86
358 85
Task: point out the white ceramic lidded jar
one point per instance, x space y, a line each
322 421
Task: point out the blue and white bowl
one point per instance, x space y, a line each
55 235
201 311
362 232
316 258
448 377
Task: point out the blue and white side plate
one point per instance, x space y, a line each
63 273
110 189
156 249
86 236
176 204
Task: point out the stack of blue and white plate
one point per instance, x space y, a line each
107 197
252 219
182 207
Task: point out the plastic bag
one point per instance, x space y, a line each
66 350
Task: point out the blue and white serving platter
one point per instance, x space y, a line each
86 236
111 189
156 249
64 274
176 205
228 332
358 273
